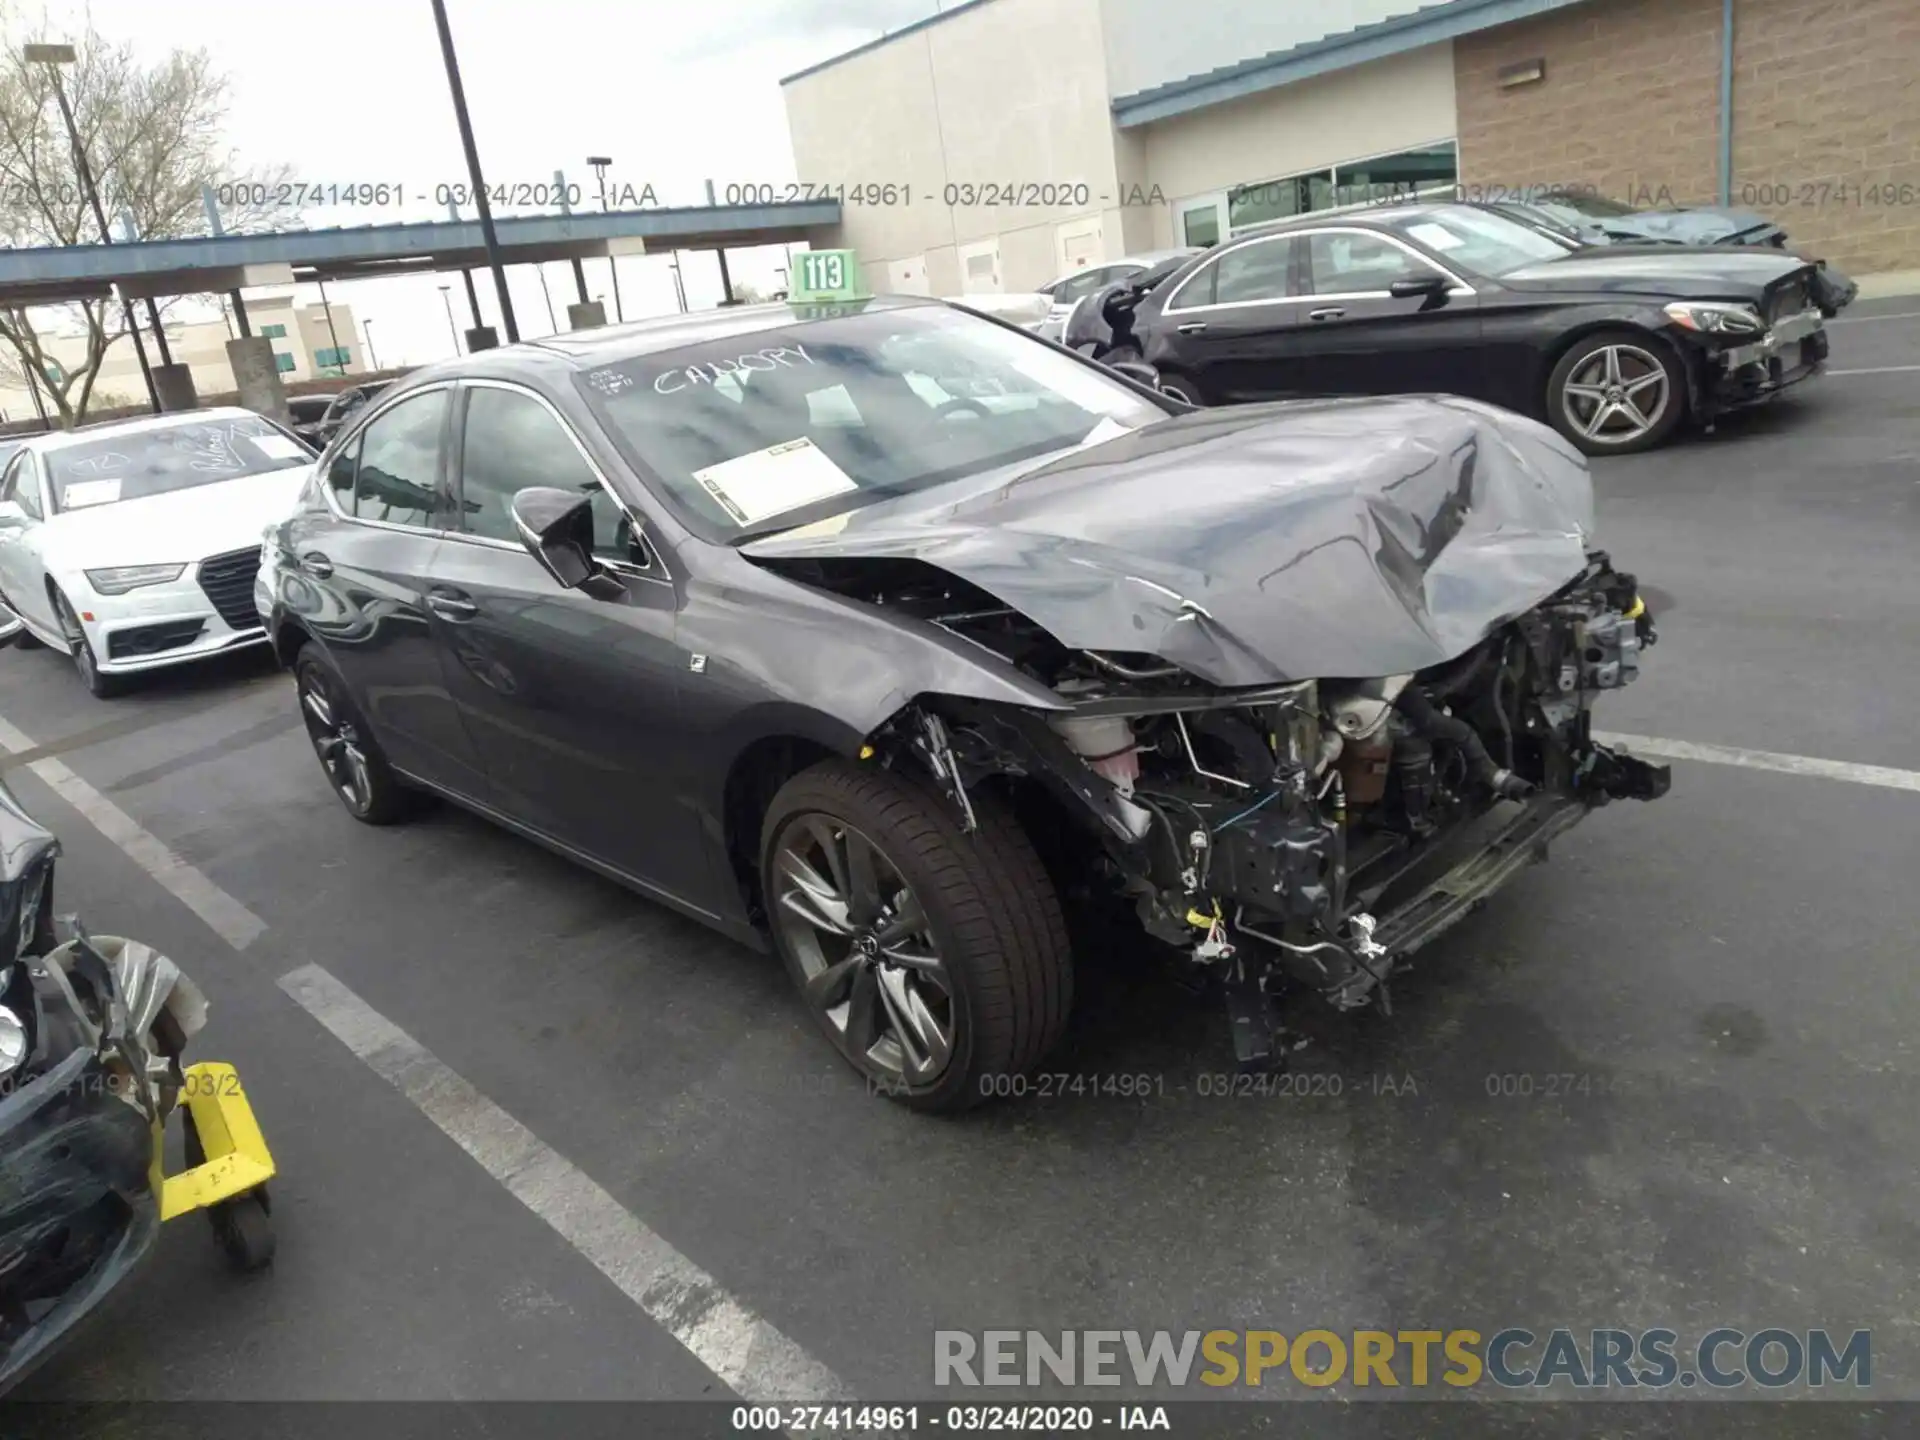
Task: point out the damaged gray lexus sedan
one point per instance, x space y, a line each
894 638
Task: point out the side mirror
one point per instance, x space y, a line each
12 517
556 526
1418 286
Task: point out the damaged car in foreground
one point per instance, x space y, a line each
891 636
83 1083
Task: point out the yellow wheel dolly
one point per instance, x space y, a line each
228 1165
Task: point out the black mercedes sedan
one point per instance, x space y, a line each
1616 346
891 636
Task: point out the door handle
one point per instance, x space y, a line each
316 564
450 605
1193 327
1331 312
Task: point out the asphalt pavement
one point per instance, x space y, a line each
1729 971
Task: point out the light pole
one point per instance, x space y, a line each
541 271
53 57
679 287
446 298
332 334
599 163
366 329
473 171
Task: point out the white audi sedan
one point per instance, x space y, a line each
132 546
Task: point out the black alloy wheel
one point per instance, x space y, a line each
354 766
99 685
934 959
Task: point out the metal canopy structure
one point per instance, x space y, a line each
205 264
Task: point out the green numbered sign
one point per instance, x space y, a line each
826 275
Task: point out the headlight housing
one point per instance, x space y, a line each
1716 318
13 1042
119 579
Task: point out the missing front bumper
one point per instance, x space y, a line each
1417 906
1793 349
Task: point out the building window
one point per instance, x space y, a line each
1399 176
333 359
274 332
282 363
1402 175
1279 199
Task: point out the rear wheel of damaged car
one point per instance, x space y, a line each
355 767
935 959
1616 392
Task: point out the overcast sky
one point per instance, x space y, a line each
347 91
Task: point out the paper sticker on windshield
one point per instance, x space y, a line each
80 493
278 447
774 480
1107 429
1435 237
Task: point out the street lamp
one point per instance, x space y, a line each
599 164
366 329
446 298
473 171
332 334
541 271
53 57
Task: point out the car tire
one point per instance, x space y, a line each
80 651
990 973
351 759
23 638
1606 367
1182 389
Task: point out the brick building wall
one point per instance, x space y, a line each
1826 125
1826 108
1630 102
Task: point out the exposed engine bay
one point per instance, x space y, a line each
1316 832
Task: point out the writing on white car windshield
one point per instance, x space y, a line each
134 464
773 428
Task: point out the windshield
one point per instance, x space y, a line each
137 463
1479 240
781 427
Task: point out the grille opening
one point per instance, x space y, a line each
227 581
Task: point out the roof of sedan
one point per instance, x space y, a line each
60 439
671 332
581 349
1390 213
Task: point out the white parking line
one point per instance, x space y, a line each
1878 370
756 1361
224 915
1881 775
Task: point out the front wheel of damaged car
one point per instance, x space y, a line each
1617 392
934 958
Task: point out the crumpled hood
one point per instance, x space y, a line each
1264 543
1701 225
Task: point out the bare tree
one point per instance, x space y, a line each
151 131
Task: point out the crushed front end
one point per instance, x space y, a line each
89 1040
1316 832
